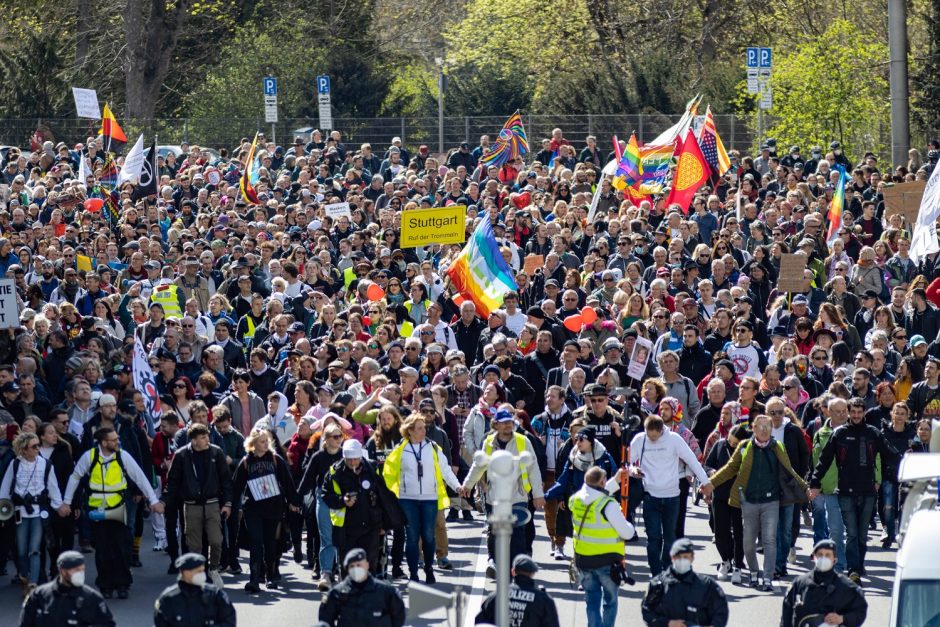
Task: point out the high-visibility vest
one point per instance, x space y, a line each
520 446
597 536
337 516
106 481
349 275
409 304
167 295
391 472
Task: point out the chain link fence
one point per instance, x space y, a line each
413 131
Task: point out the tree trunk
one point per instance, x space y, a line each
151 43
83 18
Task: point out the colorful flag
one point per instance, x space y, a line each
247 189
480 273
629 164
109 172
551 160
145 383
924 240
712 148
836 207
655 161
147 184
510 143
113 137
691 172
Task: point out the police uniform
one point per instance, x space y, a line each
56 604
529 605
814 594
371 602
694 598
187 605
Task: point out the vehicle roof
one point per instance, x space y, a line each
917 466
919 557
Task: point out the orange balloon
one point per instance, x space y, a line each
573 323
94 205
588 315
375 292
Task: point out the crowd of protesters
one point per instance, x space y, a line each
303 416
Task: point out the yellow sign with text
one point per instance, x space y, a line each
442 225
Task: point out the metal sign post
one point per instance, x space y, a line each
270 102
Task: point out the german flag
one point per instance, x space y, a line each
112 136
244 184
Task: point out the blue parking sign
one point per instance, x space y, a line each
323 84
270 86
766 58
751 57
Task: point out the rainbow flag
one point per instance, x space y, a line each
244 183
480 273
510 143
109 172
655 161
836 207
629 164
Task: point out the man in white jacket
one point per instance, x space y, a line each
657 452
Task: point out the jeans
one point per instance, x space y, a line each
761 518
599 586
29 547
422 518
856 513
827 523
659 516
327 550
784 535
889 496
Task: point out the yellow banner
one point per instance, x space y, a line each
442 225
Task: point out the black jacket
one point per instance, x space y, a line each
183 486
820 593
53 604
797 449
372 602
920 398
530 606
853 449
184 604
367 510
316 469
467 338
695 598
695 363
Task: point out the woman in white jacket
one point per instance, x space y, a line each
478 420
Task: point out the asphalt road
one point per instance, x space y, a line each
296 603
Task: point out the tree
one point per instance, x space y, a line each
926 80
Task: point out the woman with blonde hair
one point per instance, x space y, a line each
316 470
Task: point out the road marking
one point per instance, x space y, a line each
478 588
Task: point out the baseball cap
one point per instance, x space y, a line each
352 449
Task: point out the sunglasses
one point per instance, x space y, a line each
179 386
373 346
342 350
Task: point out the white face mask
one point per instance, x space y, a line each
682 565
77 578
358 574
199 579
824 564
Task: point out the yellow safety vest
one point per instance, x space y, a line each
167 296
391 472
409 304
106 481
520 446
349 275
597 536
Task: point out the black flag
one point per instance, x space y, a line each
147 186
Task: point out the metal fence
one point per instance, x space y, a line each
735 131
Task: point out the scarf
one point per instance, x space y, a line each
487 411
760 444
583 461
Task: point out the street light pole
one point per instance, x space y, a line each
897 79
440 104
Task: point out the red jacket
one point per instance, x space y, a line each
160 451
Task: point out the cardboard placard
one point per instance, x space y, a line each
533 263
337 210
642 350
440 225
904 198
86 103
791 273
9 312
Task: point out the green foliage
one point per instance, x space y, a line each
832 87
33 74
925 83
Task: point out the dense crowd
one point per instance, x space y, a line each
308 416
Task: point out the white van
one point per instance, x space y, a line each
915 599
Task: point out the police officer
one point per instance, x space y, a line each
529 605
360 599
680 594
823 596
191 601
66 600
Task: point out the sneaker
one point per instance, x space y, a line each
216 579
429 577
325 583
552 552
252 587
791 557
560 553
272 585
467 515
736 576
723 571
159 545
766 587
443 563
491 570
451 515
753 581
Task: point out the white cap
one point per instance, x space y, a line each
352 449
106 399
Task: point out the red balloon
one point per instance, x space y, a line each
94 205
375 292
588 315
366 320
573 323
523 200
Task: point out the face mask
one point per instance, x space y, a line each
824 564
358 574
682 565
639 250
199 579
837 152
77 578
